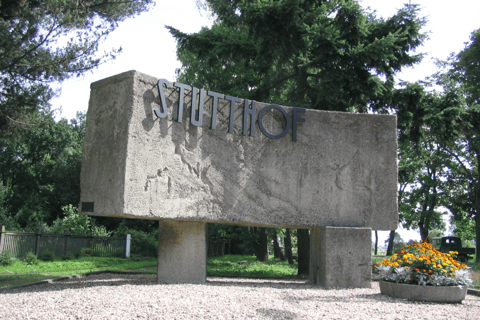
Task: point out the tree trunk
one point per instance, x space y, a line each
276 247
303 246
262 250
477 218
376 242
390 243
288 246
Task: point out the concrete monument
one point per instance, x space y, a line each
160 150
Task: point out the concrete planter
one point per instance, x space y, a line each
449 294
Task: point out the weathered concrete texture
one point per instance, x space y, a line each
341 257
445 294
342 171
182 252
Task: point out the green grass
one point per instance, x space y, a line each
21 273
228 266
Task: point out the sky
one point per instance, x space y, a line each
149 48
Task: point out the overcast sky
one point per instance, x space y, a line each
149 48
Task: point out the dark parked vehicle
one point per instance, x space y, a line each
447 244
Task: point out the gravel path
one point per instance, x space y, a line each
114 296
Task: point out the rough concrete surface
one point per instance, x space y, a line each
182 252
341 171
341 257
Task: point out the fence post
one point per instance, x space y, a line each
67 238
127 246
90 238
2 237
37 241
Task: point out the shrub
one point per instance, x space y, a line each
85 252
143 243
46 255
31 258
66 257
6 258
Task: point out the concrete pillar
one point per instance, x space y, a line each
341 257
182 251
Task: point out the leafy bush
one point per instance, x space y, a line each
46 255
142 243
31 258
78 224
6 258
85 252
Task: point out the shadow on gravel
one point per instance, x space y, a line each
107 279
255 283
277 314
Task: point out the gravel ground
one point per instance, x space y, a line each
114 296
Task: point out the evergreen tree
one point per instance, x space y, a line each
47 41
329 55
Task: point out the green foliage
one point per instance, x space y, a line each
330 55
78 224
69 267
85 252
228 265
6 258
40 172
48 41
46 255
456 125
142 243
398 242
31 258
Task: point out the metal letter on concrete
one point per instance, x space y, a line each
339 178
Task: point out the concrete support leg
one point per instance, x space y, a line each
182 252
341 257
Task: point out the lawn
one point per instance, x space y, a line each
19 272
247 266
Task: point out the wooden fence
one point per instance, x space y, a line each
20 243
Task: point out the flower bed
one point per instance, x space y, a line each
422 264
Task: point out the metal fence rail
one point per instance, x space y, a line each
20 243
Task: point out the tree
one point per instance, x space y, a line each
398 242
288 246
457 122
303 247
261 246
423 167
40 171
47 41
276 247
330 55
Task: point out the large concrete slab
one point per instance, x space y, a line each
341 171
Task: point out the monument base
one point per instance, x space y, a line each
341 257
182 252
